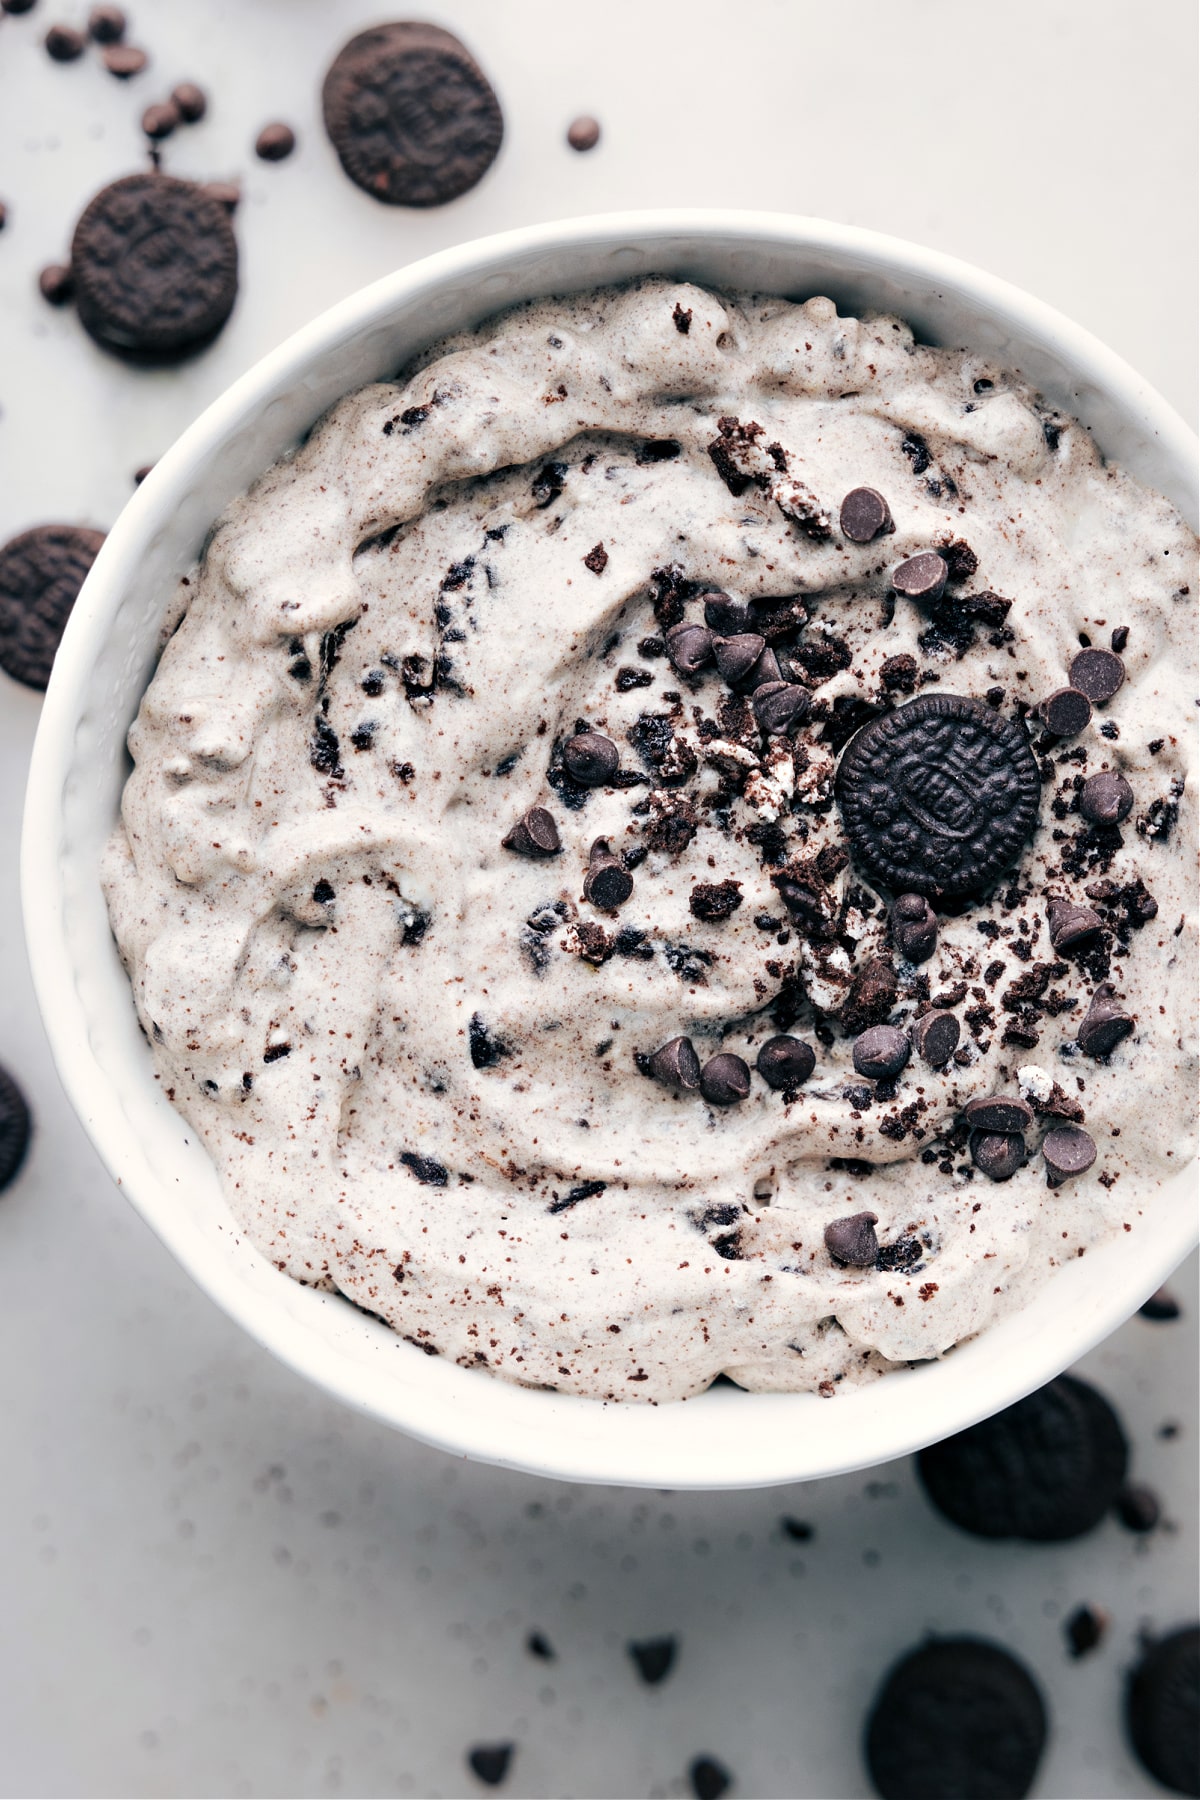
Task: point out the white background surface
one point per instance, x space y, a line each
216 1582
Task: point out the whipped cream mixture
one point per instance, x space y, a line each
420 1057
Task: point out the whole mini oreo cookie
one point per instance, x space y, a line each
41 573
1162 1710
155 264
413 119
956 1719
938 797
1046 1469
14 1128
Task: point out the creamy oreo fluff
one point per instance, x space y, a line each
417 1056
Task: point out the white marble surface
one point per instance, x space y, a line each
216 1582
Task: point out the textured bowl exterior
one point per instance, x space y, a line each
724 1439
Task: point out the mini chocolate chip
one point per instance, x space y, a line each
1084 1629
1137 1507
191 100
275 142
583 133
1120 638
922 577
106 24
1066 712
160 120
534 834
490 1762
689 647
914 927
998 1112
590 758
56 283
709 1778
1161 1307
124 61
608 883
852 1241
997 1154
1067 1151
778 705
935 1037
1104 1024
785 1062
865 515
736 656
880 1052
724 1080
653 1658
1071 924
676 1064
1106 798
64 43
1098 674
724 614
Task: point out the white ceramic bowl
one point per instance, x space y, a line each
725 1438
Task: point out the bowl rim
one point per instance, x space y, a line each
568 1438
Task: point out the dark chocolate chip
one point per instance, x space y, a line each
922 577
1067 1151
56 283
709 1778
413 119
785 1062
1104 1024
191 100
914 927
1162 1710
724 1080
779 705
737 656
998 1154
653 1658
17 6
160 120
852 1241
1066 712
881 1052
1106 798
156 266
1098 674
41 573
765 673
1138 1508
275 142
106 24
583 133
1071 924
124 61
534 834
956 1719
935 1037
539 1645
490 1762
676 1065
1084 1629
1161 1307
724 614
64 43
939 796
608 883
591 759
14 1128
689 647
998 1112
1046 1469
1120 638
865 515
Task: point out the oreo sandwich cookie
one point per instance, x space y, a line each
956 1719
1046 1469
14 1128
1162 1711
938 797
414 120
41 573
155 265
